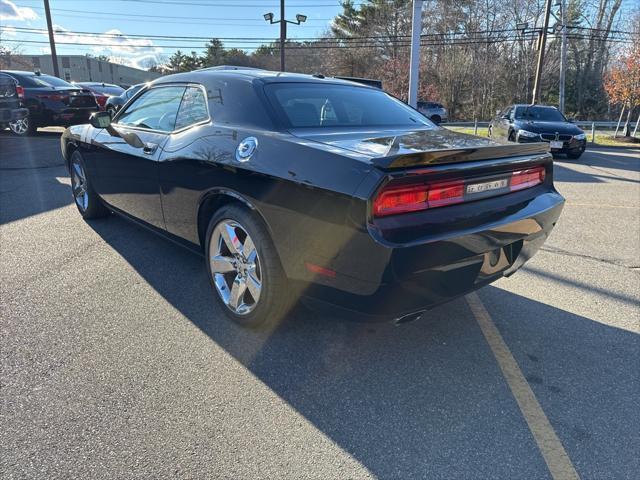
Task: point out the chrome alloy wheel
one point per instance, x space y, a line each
235 267
79 185
19 127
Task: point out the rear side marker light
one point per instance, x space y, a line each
527 178
20 91
325 272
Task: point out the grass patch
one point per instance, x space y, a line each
603 139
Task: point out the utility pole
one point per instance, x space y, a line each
414 66
283 28
563 52
283 35
541 46
52 42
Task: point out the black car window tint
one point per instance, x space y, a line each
302 105
193 108
155 109
49 81
539 114
25 80
108 90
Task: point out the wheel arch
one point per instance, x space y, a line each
69 148
216 198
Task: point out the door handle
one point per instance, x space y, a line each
149 148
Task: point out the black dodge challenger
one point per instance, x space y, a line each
298 186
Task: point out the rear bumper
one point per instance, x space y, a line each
568 146
64 118
12 114
419 277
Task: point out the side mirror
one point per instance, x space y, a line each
100 120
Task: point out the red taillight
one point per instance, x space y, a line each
445 193
20 91
400 200
395 199
527 178
403 199
100 98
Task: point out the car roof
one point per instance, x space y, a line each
25 72
97 84
536 105
229 72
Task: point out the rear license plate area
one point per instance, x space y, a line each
482 187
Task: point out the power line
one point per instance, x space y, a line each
297 46
470 34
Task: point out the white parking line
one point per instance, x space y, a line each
553 452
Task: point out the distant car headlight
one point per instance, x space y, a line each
526 134
580 136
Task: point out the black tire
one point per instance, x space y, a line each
23 127
436 119
93 207
512 136
276 297
574 156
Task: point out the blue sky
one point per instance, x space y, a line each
202 18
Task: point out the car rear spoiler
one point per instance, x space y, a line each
459 155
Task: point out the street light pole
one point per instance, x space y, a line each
563 53
414 66
541 45
283 28
52 42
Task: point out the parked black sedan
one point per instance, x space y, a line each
296 186
539 123
50 101
114 102
10 110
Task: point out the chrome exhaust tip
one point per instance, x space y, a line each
409 317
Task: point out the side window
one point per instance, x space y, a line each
155 109
193 108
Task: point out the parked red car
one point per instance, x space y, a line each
102 91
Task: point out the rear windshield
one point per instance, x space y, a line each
112 90
42 81
542 114
320 105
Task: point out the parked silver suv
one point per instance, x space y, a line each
433 111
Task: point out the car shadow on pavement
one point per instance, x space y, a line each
426 399
30 172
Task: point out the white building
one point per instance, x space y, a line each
80 68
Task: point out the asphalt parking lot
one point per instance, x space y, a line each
116 362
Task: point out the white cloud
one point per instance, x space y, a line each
10 11
117 46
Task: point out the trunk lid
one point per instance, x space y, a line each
392 149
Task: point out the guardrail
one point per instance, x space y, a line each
580 123
585 125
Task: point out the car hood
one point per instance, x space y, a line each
549 127
423 146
